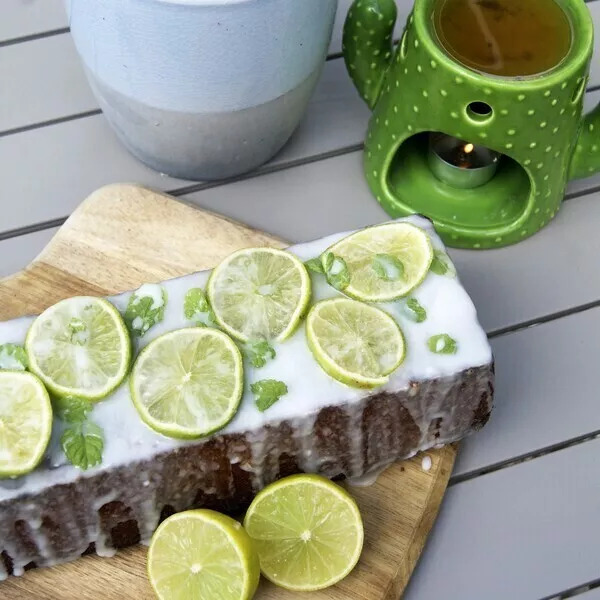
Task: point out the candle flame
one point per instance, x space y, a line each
469 148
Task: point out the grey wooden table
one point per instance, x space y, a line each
521 518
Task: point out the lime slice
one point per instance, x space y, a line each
80 347
385 262
25 422
201 554
188 383
355 343
307 530
259 293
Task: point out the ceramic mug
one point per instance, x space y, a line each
202 89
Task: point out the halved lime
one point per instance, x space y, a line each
201 555
355 343
188 383
386 261
259 293
80 347
307 530
25 422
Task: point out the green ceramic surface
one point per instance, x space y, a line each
536 123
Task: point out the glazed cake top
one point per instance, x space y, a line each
127 439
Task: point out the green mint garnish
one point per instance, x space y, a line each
415 311
13 358
196 308
83 444
71 409
387 267
336 271
146 308
442 344
315 265
267 392
442 265
258 352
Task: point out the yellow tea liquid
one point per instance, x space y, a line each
507 38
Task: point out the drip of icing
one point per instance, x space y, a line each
426 463
368 478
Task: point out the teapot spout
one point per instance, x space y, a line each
368 46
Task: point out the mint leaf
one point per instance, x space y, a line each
13 358
146 307
442 265
336 271
196 308
387 267
71 409
442 344
83 444
315 265
415 311
267 392
258 352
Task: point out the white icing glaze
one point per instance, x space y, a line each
127 439
426 463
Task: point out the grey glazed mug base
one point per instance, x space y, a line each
209 145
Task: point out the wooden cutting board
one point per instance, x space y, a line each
123 236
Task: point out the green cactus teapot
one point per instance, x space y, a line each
484 150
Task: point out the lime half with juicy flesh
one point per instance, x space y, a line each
201 555
80 347
405 247
25 422
355 343
188 383
307 530
259 293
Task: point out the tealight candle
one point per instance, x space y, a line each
459 163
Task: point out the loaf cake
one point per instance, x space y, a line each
58 512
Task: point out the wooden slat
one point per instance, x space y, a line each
16 253
546 390
46 82
521 533
22 18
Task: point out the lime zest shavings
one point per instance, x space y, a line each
146 308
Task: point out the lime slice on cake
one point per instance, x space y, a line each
25 422
355 343
385 262
307 530
188 383
201 554
259 293
79 347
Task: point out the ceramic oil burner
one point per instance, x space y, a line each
202 89
485 150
